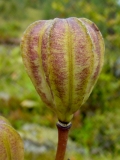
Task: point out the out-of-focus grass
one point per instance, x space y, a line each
14 79
73 156
13 25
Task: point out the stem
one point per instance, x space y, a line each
63 130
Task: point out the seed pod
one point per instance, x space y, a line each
63 58
11 145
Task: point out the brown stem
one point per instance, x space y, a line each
63 130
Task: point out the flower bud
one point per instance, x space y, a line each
63 58
11 145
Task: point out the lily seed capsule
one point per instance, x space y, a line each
63 58
11 145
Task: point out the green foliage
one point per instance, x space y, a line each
99 134
104 95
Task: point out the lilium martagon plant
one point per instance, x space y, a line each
63 58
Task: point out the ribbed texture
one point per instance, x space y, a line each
11 145
63 58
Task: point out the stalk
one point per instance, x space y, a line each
63 130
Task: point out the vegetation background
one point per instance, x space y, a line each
96 126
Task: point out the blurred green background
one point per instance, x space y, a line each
96 127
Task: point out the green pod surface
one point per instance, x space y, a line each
11 145
63 58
